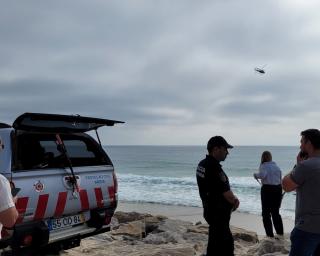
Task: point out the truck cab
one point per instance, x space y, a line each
68 186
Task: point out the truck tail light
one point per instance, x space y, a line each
27 240
30 235
115 182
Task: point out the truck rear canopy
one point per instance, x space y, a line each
59 123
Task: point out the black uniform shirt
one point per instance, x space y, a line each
212 183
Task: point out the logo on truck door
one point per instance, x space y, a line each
98 179
39 187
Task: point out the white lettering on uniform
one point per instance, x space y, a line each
201 171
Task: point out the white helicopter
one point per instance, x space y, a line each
260 70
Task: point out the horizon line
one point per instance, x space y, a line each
197 145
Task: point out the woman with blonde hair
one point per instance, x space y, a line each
271 194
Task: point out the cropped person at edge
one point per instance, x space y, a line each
305 179
217 198
271 194
8 211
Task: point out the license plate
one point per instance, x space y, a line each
68 221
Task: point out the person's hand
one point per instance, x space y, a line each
15 199
302 156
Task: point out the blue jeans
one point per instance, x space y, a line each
303 243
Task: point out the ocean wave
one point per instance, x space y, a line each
184 191
187 181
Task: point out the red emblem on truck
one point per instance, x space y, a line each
39 187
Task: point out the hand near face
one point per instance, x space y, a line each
301 156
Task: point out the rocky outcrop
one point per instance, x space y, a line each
136 234
269 246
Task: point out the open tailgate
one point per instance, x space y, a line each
60 123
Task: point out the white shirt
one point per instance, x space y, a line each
269 173
6 201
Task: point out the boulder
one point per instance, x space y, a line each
124 217
135 229
271 246
245 235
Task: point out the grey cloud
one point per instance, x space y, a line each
282 97
158 62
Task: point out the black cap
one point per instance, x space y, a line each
217 141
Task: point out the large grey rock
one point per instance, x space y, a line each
271 246
245 235
201 228
164 238
170 225
124 217
135 229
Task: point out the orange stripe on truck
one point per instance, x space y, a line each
111 195
84 200
21 206
61 203
41 207
99 197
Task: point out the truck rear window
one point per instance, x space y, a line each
40 151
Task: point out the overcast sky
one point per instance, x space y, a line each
177 72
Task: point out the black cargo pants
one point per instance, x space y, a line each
271 197
220 240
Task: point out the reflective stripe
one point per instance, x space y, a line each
61 203
84 199
99 197
60 207
21 206
41 207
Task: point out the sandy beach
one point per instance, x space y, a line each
148 229
247 221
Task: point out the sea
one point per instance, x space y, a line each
166 174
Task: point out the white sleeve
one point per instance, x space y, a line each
262 172
6 201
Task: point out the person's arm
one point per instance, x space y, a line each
261 174
232 199
288 184
296 177
9 217
8 211
201 181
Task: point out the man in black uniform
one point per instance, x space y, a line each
217 198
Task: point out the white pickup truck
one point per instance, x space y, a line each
67 181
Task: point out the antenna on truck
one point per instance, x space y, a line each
63 150
96 130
